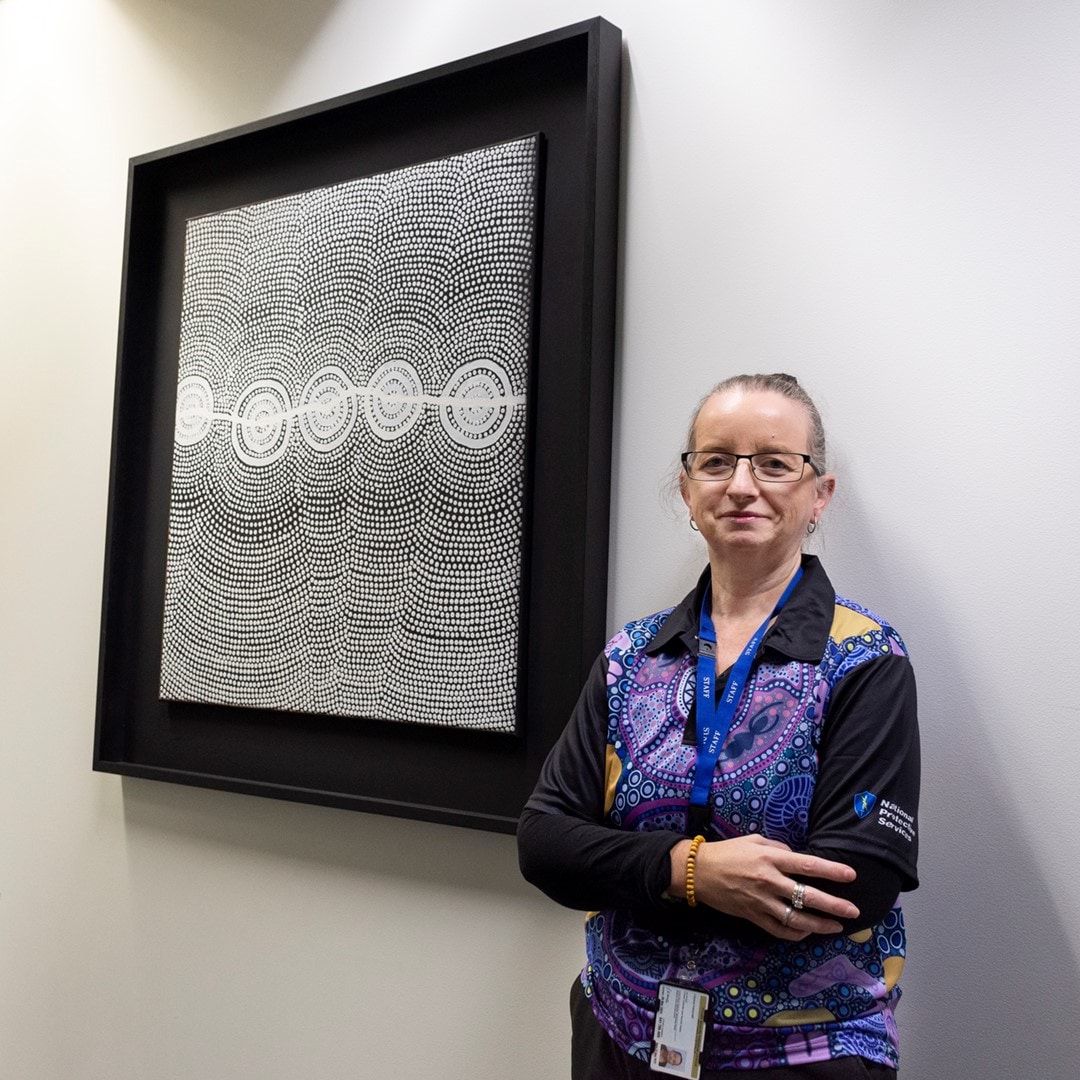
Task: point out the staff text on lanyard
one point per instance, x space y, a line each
714 717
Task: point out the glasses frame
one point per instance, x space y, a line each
806 458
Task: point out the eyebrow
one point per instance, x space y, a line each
774 449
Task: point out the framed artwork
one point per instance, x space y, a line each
347 499
357 528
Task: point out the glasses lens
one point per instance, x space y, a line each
706 465
778 468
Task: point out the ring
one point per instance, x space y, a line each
788 912
798 896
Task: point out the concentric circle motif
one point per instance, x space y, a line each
787 810
261 420
327 409
394 399
481 409
194 410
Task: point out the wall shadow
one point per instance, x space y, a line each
626 105
991 979
368 845
240 51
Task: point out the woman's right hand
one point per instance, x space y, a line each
751 877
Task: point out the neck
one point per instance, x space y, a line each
748 592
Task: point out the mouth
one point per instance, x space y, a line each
740 515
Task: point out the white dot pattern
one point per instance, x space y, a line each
347 504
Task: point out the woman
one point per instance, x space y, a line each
734 799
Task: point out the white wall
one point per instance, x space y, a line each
878 196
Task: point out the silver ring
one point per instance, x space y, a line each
788 912
798 897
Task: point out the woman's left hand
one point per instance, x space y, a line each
751 877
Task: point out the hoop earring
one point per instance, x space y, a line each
693 525
811 528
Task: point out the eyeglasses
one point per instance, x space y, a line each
771 468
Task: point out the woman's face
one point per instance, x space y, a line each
744 516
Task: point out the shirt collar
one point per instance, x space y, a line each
800 631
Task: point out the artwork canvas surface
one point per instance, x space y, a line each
349 465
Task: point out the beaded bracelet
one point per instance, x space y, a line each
691 856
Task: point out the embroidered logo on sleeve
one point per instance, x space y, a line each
864 803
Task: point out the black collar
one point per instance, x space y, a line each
800 632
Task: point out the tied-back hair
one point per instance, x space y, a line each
780 383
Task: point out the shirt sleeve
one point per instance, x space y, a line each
873 892
565 847
866 799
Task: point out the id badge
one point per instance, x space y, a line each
679 1034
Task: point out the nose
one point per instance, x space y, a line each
743 481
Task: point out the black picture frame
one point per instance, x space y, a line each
565 85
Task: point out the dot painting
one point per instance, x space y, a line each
348 486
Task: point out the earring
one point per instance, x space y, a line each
810 528
693 525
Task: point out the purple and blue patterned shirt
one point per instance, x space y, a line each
822 754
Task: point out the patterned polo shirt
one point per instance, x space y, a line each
823 752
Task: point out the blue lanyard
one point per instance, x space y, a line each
714 716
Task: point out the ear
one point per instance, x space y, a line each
682 488
826 486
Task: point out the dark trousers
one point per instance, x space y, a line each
594 1056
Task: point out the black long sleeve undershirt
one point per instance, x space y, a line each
587 866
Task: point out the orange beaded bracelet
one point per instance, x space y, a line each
691 856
